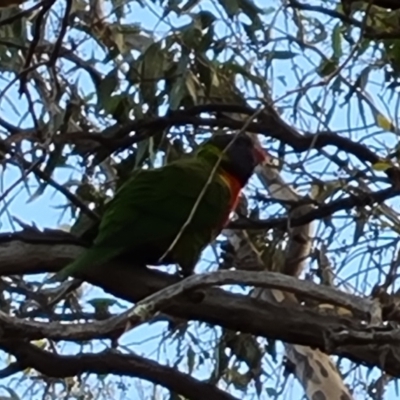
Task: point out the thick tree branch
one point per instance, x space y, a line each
12 327
270 124
60 366
215 306
11 369
263 279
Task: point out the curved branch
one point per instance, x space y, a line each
275 129
13 327
232 311
60 366
270 124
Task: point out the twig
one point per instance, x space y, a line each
20 179
36 38
63 30
45 177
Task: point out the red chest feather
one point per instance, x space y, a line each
235 187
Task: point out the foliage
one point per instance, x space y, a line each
92 89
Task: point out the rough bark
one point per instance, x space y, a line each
43 252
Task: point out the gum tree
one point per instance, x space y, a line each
298 297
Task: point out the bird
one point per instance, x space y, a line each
169 215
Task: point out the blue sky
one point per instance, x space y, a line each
43 211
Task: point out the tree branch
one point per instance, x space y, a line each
215 306
362 200
12 327
270 125
60 366
270 280
369 32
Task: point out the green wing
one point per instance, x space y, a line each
149 210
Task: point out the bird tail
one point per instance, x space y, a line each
92 257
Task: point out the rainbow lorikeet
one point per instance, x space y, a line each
157 217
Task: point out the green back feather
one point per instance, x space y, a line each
151 207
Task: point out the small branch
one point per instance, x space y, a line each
49 180
369 33
64 26
320 212
37 29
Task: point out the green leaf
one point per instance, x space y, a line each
281 55
207 74
384 123
238 69
178 89
191 37
393 54
191 357
364 45
152 69
56 159
271 392
102 302
327 67
206 19
382 165
361 220
253 12
107 86
231 7
177 93
144 148
118 8
192 86
240 381
337 41
119 106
